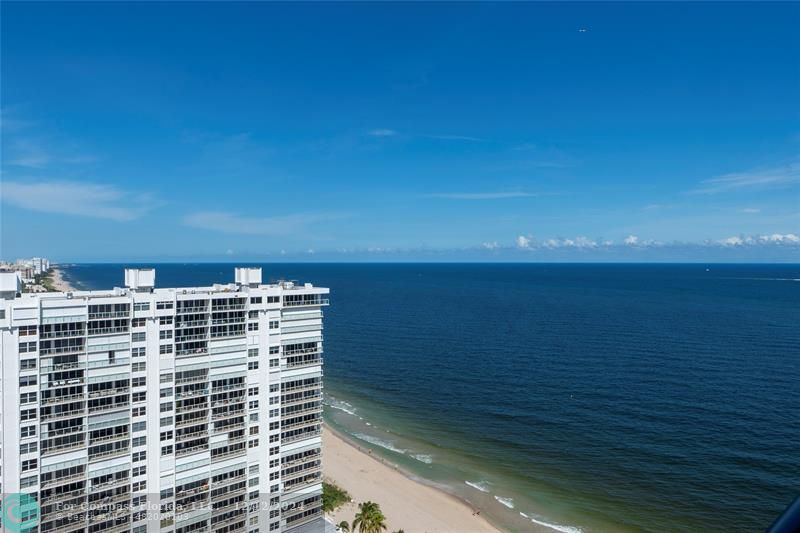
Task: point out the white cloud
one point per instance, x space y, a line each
28 154
228 252
232 223
777 177
491 245
750 210
75 198
631 240
577 242
382 132
524 242
481 195
755 240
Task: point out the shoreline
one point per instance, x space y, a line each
408 504
59 283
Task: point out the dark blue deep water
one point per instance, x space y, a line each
588 397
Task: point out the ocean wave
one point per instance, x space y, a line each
482 486
378 442
557 527
340 408
508 502
427 459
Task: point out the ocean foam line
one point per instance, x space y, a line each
378 442
557 527
480 485
424 458
508 502
348 411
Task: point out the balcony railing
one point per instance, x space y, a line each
61 432
57 367
190 352
307 410
62 399
225 455
109 407
63 480
62 350
192 393
109 314
200 309
62 496
301 351
101 456
108 331
300 399
108 392
63 414
192 435
62 334
300 388
191 450
230 307
301 364
107 438
180 324
61 448
300 436
189 338
298 303
227 414
193 379
304 423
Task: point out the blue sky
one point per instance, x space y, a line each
630 131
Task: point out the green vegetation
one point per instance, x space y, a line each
343 526
46 281
369 518
333 497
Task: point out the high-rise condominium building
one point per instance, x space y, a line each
148 409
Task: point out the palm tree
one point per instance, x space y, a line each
369 518
343 526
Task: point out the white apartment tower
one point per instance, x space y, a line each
148 409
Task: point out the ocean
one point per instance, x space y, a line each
564 397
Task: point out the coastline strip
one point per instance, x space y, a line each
406 503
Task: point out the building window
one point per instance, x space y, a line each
27 330
138 322
274 363
27 482
165 320
27 397
166 378
144 306
252 365
167 450
28 448
138 367
30 464
252 352
138 382
166 435
27 431
138 337
139 426
27 364
139 486
252 391
166 421
27 414
139 397
165 305
274 350
165 334
274 324
256 300
139 456
27 347
138 441
273 299
165 349
139 411
27 381
166 392
137 352
166 407
139 471
252 326
253 404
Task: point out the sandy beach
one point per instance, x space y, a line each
59 283
408 505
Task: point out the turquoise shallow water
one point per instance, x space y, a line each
588 397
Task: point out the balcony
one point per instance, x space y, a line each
109 314
314 470
300 303
108 392
109 407
227 414
62 350
191 492
63 448
62 399
307 458
61 334
195 420
193 435
191 352
108 331
102 456
304 423
228 481
193 379
302 482
108 438
180 324
63 496
300 399
184 410
301 436
307 410
71 382
300 388
302 364
229 454
229 427
191 450
302 351
189 338
200 309
194 393
230 307
63 414
63 431
64 480
57 367
110 485
223 388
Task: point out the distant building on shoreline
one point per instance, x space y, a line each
176 409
